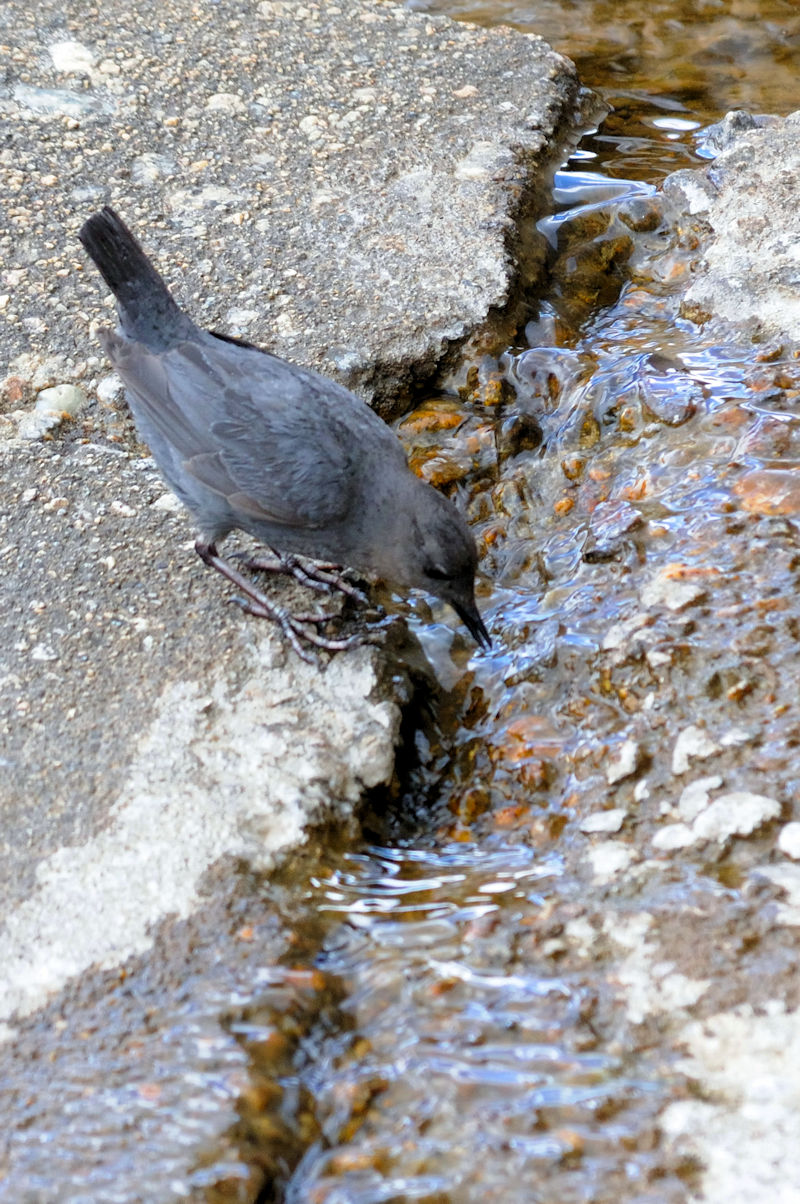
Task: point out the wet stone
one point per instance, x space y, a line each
695 797
667 399
787 878
736 814
693 743
609 525
674 588
673 836
609 860
789 840
642 213
517 432
770 491
620 635
604 821
623 762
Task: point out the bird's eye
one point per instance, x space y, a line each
437 573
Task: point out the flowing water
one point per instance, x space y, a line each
480 1050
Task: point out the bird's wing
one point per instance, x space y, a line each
288 468
278 443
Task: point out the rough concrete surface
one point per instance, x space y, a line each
346 187
341 184
148 729
156 745
748 269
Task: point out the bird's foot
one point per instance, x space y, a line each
298 629
314 574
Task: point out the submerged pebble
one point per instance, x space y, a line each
693 743
736 814
604 821
789 840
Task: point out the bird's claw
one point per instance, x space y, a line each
319 575
298 629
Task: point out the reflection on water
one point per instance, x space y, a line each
475 1066
643 425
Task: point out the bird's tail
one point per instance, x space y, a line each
146 308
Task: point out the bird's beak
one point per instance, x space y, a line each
470 615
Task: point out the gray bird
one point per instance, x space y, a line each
249 441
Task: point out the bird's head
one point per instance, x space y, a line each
435 551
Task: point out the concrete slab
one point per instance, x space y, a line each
147 728
341 184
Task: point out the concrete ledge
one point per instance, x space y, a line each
148 729
341 184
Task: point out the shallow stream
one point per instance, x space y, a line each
481 1050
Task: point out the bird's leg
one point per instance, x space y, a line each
296 628
314 574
